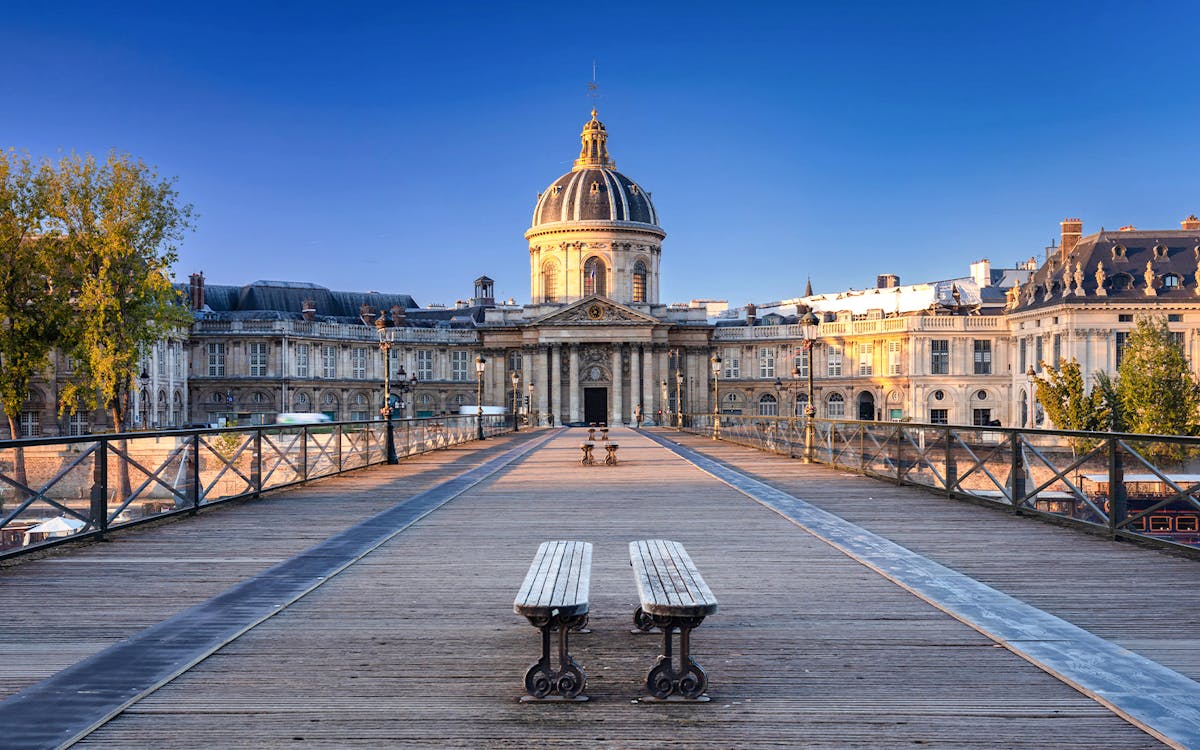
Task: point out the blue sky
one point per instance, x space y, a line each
389 147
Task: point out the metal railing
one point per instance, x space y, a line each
58 489
1137 487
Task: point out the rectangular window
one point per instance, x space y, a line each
258 360
801 362
161 356
358 363
425 364
866 359
1122 339
31 424
1187 523
981 417
1056 350
1174 317
216 360
833 360
939 357
302 351
1039 355
77 424
1024 355
1125 318
458 365
766 362
939 416
894 348
1176 338
732 362
329 361
983 357
177 357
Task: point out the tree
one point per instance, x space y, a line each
31 303
1159 393
120 226
1065 398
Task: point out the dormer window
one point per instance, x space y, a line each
1170 281
1118 252
595 188
1160 252
556 189
633 189
1121 281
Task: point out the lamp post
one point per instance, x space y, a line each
516 382
1031 374
662 410
529 411
716 371
808 324
406 385
387 337
480 366
144 397
778 406
679 398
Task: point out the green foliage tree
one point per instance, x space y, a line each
1159 393
120 225
1064 396
31 300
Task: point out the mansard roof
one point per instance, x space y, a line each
277 300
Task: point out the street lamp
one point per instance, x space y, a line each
778 405
678 398
387 337
144 396
716 371
529 411
662 403
480 366
516 382
406 385
808 324
1031 374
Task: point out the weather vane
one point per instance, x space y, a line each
593 87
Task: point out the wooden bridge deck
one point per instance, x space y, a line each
810 648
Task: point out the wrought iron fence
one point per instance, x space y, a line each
1141 487
57 489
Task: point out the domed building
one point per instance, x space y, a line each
594 232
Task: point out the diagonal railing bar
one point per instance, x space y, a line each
980 464
151 476
922 456
323 451
228 464
40 494
281 457
1062 474
1180 493
880 450
847 442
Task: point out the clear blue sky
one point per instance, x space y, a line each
399 147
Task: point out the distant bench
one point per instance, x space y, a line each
673 597
589 453
554 596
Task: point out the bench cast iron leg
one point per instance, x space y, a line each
690 680
542 681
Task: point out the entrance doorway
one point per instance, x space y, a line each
595 405
866 406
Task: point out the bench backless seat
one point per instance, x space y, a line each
554 596
673 597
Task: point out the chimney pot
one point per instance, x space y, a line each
1072 232
1191 223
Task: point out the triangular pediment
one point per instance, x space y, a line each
596 311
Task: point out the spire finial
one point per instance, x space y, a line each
594 89
594 150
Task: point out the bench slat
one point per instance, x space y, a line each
668 581
559 578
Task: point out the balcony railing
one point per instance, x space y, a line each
58 489
1136 487
867 327
341 331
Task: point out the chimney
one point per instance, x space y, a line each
887 281
1190 224
1072 231
397 315
981 273
751 314
196 291
308 308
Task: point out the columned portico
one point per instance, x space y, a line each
617 395
556 383
573 383
635 379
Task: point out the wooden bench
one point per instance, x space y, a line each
554 596
588 456
610 453
673 597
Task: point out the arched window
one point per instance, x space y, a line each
768 406
594 277
639 282
801 402
550 282
835 406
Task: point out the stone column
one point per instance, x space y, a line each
664 373
526 379
556 383
615 408
542 384
573 383
635 380
649 385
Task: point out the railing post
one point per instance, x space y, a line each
1117 506
197 490
951 466
99 494
256 465
338 435
304 453
1017 473
899 453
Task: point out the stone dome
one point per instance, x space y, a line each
594 190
